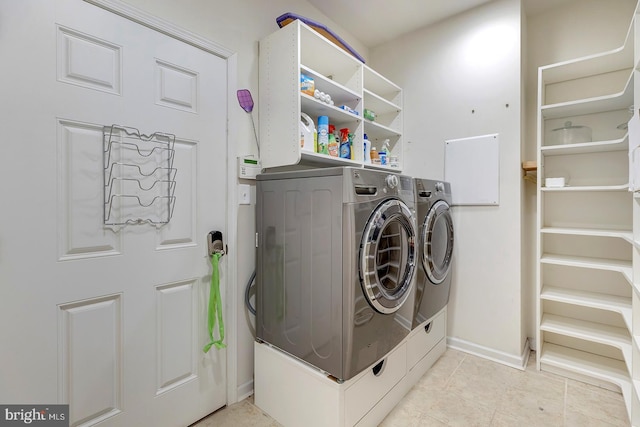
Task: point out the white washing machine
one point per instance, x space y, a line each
435 248
336 261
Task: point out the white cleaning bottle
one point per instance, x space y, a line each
384 152
367 150
307 130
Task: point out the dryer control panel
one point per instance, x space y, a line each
391 181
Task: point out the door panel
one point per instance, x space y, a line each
82 234
91 376
110 319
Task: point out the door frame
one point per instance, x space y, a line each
231 306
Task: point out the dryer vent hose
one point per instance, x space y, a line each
247 292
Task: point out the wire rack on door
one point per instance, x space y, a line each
139 177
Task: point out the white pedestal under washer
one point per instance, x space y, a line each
435 248
336 262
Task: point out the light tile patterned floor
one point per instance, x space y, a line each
465 390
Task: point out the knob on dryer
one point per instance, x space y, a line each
392 181
439 187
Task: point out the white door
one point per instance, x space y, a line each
111 320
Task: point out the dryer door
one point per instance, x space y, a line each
437 238
387 256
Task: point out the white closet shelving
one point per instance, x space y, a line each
297 48
385 98
588 307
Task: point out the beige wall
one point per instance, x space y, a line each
458 78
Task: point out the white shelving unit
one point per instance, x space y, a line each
588 306
297 48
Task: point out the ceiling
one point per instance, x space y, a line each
379 21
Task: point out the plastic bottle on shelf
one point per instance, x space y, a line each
367 150
375 159
345 143
323 135
351 151
334 146
307 131
384 152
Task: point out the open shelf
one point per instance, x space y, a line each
626 235
623 267
615 101
621 144
590 331
586 229
297 49
613 303
590 365
379 104
568 188
375 83
603 62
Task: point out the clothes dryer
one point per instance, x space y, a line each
336 261
435 248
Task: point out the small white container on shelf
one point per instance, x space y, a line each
554 182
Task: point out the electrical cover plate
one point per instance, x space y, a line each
244 194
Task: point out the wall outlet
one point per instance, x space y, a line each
244 194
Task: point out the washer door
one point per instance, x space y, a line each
387 256
437 240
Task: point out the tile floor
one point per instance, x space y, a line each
465 390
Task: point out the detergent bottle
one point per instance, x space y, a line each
307 131
367 150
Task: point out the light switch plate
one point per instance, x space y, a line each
244 194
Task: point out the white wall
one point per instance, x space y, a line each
458 78
576 29
238 25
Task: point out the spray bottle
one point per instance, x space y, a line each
384 152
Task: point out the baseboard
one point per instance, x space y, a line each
518 362
245 390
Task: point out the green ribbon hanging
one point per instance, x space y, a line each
215 306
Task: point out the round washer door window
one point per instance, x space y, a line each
387 256
437 240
